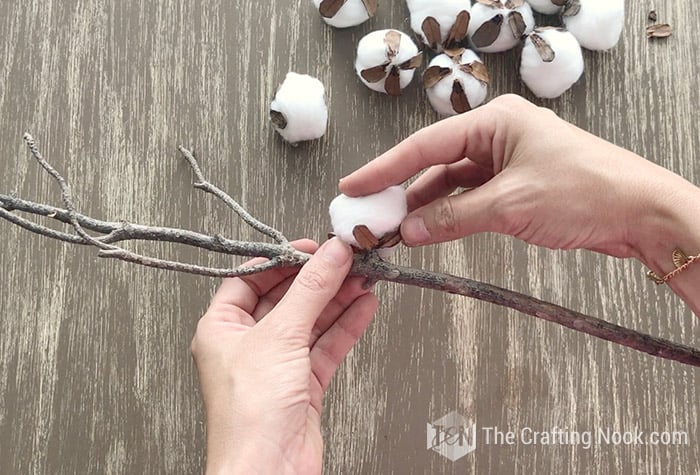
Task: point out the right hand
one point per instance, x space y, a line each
531 175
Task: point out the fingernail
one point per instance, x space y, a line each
414 231
336 252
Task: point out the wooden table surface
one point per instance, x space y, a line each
95 370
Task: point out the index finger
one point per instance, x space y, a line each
468 135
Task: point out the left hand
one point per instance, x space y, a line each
266 350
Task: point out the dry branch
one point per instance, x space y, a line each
281 254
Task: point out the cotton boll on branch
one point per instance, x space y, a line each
299 112
499 25
551 62
596 24
440 24
456 82
386 61
547 7
381 214
346 13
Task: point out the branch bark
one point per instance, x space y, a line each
282 254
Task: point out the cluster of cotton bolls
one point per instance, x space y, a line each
455 80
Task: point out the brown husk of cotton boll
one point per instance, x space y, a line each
433 37
458 31
488 32
329 8
517 24
572 8
278 119
543 48
434 75
478 70
459 100
369 242
659 31
431 31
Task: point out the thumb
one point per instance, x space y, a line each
315 286
453 217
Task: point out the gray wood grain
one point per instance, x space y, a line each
95 370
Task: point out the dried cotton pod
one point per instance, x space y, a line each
596 24
370 222
440 24
299 110
346 13
547 7
499 25
551 62
456 83
386 61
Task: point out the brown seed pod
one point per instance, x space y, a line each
659 31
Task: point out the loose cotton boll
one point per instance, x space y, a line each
551 62
382 213
456 84
346 13
299 110
547 7
596 24
386 61
499 25
440 24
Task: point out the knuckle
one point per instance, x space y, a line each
510 101
446 219
313 280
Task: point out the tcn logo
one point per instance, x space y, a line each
452 436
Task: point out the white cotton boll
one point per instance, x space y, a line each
381 212
441 94
496 28
444 15
351 13
596 24
547 7
551 62
386 61
299 110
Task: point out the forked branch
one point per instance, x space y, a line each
282 254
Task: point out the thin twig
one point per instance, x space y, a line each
117 232
111 251
281 255
204 185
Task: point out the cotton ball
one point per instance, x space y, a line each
547 7
551 62
596 24
457 83
499 25
382 214
346 13
386 61
299 110
440 23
